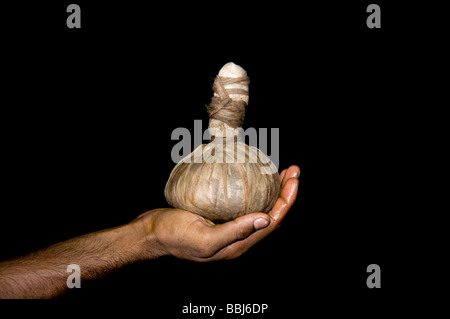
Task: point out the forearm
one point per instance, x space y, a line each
43 274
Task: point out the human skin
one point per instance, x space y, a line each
156 233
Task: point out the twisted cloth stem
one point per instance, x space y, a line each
222 107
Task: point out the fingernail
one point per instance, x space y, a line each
260 223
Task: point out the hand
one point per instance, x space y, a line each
189 236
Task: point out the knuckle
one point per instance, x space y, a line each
275 222
241 233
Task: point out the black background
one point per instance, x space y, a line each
87 119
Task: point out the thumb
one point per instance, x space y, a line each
222 235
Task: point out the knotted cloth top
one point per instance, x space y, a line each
222 107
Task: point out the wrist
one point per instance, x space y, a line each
146 240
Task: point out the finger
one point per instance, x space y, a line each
285 201
222 235
292 171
